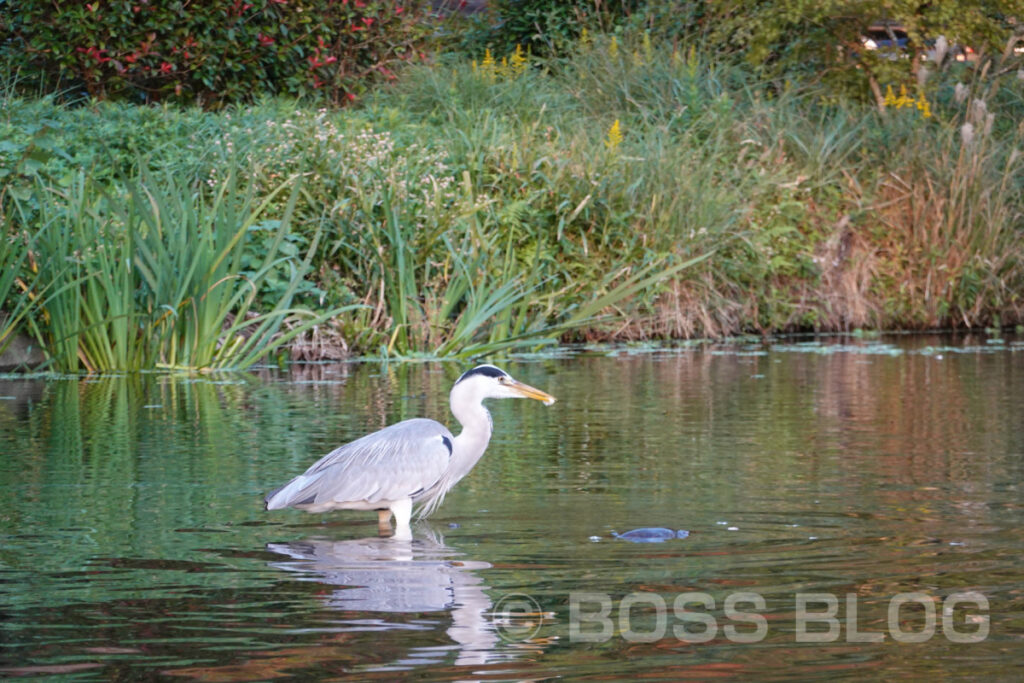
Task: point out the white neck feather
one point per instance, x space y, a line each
470 444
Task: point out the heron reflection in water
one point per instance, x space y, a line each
413 462
394 576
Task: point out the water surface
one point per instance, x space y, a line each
136 546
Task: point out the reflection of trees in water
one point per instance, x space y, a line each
371 396
880 417
386 575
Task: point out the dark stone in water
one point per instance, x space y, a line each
651 534
21 352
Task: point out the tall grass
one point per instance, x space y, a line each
19 297
155 276
955 226
823 214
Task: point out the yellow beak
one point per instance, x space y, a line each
527 391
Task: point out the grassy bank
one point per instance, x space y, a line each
625 192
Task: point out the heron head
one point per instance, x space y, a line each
488 381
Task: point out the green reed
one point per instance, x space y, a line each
154 276
19 295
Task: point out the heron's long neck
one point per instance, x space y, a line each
471 443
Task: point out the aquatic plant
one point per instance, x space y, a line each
19 295
154 276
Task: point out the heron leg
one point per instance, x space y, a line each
384 522
403 513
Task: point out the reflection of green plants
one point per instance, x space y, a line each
137 474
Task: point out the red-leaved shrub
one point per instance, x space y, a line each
214 51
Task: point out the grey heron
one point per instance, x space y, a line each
415 461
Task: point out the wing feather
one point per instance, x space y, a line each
393 463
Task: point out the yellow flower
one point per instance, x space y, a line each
613 48
924 106
487 67
890 98
903 100
648 49
518 61
614 136
585 37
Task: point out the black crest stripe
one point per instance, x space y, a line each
485 370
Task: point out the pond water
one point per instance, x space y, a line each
841 498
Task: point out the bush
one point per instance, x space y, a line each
825 40
543 26
210 52
781 39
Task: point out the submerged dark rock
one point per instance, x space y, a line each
21 351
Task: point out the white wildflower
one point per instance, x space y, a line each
979 110
967 134
941 48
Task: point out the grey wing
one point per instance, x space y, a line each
400 461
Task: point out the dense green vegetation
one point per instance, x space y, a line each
626 187
211 52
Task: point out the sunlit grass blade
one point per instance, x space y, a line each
17 280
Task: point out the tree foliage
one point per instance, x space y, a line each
826 36
544 26
823 39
